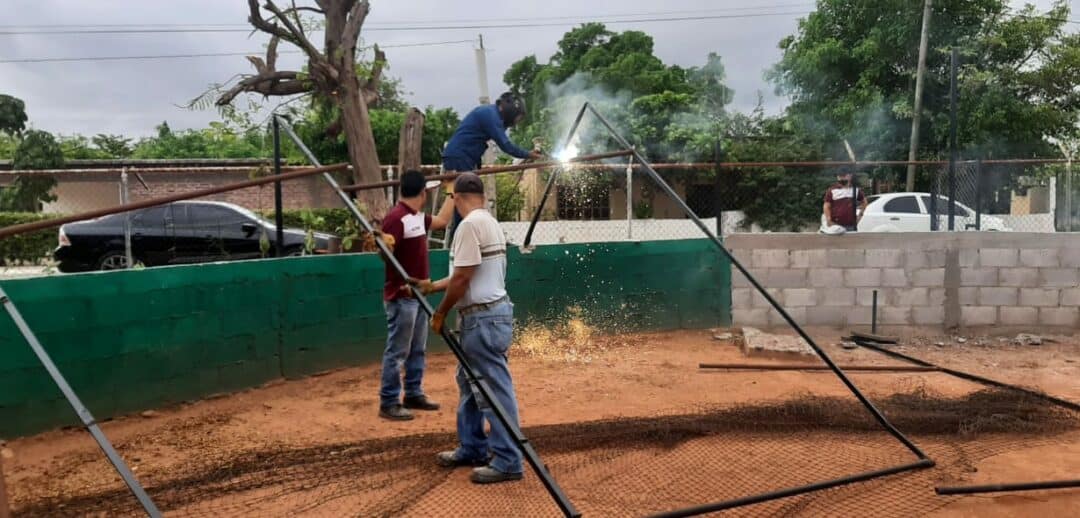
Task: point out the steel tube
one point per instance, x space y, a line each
970 377
476 380
552 179
491 170
56 222
772 302
1000 488
798 367
80 409
279 217
784 493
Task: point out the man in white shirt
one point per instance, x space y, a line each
477 289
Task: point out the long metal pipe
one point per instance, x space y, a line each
492 170
475 379
56 222
801 367
551 181
793 491
968 376
1000 488
761 289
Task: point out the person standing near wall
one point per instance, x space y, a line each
839 208
477 288
406 334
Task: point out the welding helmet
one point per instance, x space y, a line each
510 108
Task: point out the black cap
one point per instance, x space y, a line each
468 183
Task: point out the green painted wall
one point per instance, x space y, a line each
132 340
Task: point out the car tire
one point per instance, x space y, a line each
114 260
294 251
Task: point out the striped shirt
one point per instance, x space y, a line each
479 241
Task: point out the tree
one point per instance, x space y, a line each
37 150
850 72
332 73
12 115
113 145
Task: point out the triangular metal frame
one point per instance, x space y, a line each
923 460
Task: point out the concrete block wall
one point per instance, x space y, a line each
138 339
944 280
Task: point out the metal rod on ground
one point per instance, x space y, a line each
56 222
783 313
551 181
784 493
798 367
873 315
1000 488
279 216
124 200
968 376
475 379
80 410
498 169
953 150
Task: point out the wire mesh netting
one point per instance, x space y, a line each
629 466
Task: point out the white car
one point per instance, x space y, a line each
910 212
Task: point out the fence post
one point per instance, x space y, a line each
978 193
279 217
630 198
124 200
718 157
953 151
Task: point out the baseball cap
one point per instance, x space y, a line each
468 183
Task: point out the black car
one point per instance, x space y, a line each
178 233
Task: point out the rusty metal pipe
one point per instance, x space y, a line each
494 170
800 367
56 222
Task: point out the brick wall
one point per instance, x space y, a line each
947 280
302 193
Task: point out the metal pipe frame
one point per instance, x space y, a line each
970 377
56 222
475 379
923 462
80 409
800 367
554 177
1001 488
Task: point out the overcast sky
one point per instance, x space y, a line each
131 97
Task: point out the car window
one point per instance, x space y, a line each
902 204
942 207
151 217
213 216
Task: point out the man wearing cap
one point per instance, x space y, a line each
477 289
839 207
405 229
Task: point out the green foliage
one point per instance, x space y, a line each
219 140
113 145
32 247
12 115
334 221
37 150
850 69
510 198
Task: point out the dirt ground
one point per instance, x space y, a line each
639 379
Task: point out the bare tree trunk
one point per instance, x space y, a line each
410 145
362 153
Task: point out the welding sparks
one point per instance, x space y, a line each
567 153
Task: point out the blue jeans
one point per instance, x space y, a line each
406 344
486 337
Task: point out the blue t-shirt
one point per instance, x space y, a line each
469 142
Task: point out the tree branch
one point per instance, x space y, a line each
272 83
353 24
371 86
290 33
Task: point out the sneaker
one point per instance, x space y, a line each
395 413
490 475
421 403
449 459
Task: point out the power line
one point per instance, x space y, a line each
408 22
207 55
416 28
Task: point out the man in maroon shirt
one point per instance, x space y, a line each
407 324
839 206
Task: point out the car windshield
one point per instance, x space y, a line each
943 206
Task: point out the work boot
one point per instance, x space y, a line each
449 459
395 413
420 403
490 475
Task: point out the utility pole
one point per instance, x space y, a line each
485 98
924 40
481 72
